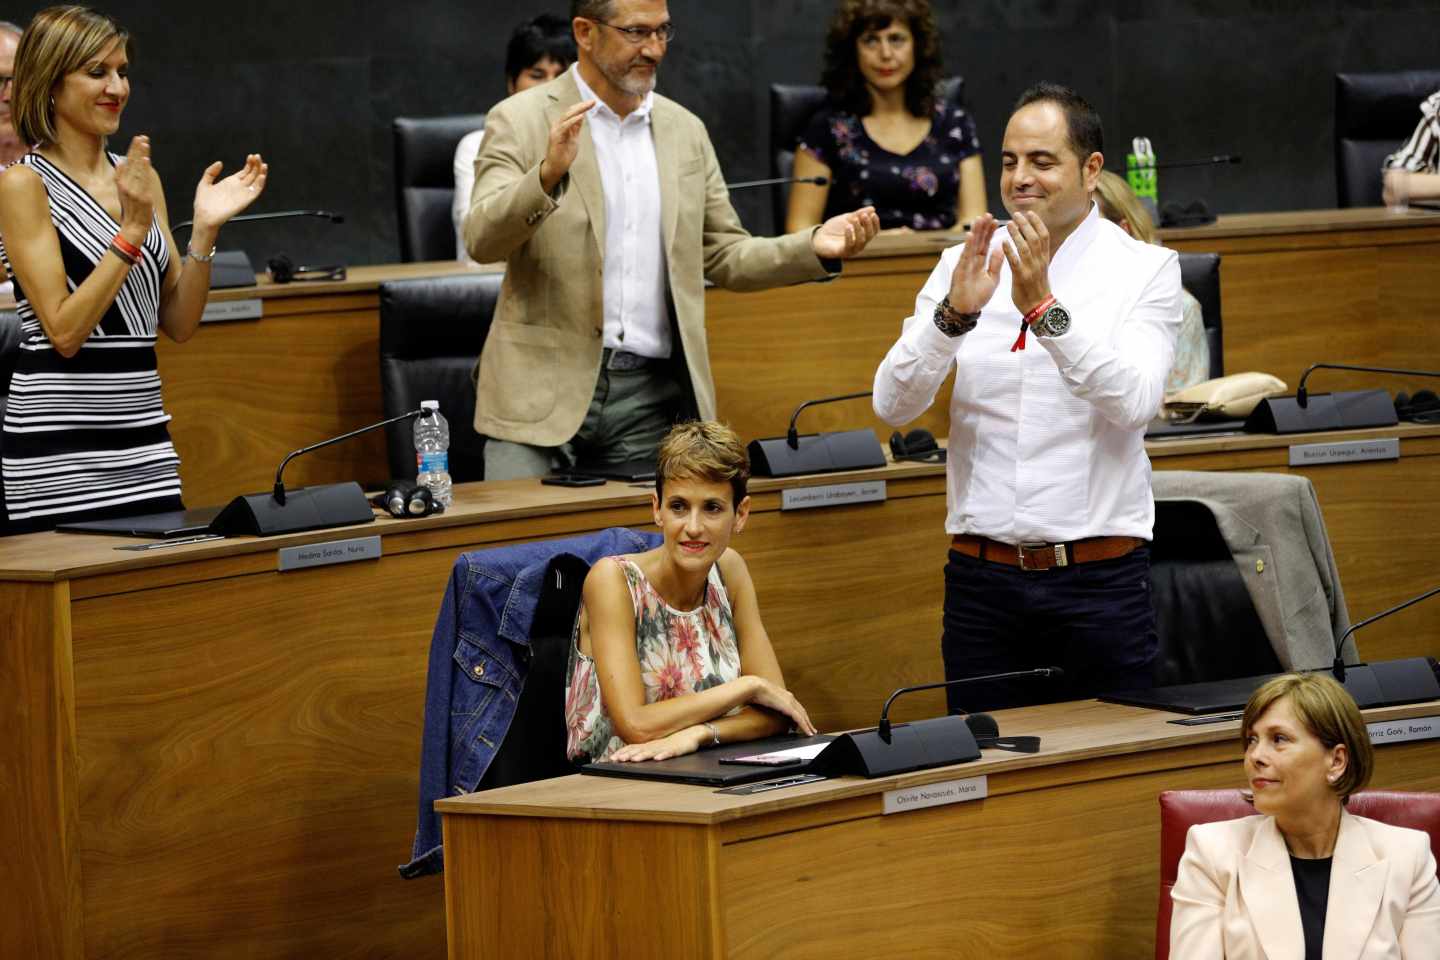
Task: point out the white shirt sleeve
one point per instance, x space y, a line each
465 153
916 366
1123 375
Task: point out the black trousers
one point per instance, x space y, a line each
1093 620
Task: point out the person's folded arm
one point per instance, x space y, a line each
1122 372
1197 904
508 202
918 363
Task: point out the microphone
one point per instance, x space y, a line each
777 181
232 268
1393 681
1303 398
1215 161
817 453
883 729
792 438
307 508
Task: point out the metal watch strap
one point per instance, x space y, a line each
951 322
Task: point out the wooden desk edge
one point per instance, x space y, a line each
498 802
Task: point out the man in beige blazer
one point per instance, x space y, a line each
607 204
1238 897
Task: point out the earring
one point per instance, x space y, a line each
1332 777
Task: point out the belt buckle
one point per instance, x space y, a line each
1059 555
624 362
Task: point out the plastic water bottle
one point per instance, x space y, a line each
432 452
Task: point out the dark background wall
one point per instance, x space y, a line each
314 85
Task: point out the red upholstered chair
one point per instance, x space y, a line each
1180 809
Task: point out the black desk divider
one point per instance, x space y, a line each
308 508
1351 410
232 268
817 453
913 746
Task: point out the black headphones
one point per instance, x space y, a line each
1423 407
406 498
283 270
916 445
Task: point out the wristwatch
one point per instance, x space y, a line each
951 322
1052 322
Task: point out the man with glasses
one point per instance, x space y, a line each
11 148
607 204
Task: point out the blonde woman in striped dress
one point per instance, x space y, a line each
86 235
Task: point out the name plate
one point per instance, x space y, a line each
1345 451
833 495
324 554
233 310
936 794
1402 731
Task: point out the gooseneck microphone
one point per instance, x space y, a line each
274 215
883 728
1303 399
777 181
1338 668
792 436
279 492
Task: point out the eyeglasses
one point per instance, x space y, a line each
639 35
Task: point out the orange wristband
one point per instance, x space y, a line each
127 246
1037 312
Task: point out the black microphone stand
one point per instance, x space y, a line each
307 508
1303 398
1345 410
232 268
777 181
792 454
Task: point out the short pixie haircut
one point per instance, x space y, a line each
841 75
703 450
60 40
1329 712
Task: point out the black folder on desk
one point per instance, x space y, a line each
160 526
704 767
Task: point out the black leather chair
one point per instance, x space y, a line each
431 333
425 182
1208 626
1374 114
791 106
1200 274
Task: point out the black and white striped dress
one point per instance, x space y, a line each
85 436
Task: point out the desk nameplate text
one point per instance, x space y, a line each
219 310
832 495
936 794
1344 451
1384 732
324 554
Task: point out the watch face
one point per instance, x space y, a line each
1056 321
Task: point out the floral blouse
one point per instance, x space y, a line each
1192 349
680 651
919 190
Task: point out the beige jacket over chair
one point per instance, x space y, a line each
1234 896
541 359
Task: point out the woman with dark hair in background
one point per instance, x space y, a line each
885 138
86 235
539 51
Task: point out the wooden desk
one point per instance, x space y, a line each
1060 860
1343 285
206 757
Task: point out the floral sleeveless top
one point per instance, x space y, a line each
680 651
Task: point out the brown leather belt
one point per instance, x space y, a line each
1043 556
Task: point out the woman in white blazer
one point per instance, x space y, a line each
1305 880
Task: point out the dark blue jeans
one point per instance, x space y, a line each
1093 620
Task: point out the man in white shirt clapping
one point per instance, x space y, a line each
1061 330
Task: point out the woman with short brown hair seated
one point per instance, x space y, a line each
1305 878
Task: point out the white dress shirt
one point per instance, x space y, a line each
1047 443
465 153
636 319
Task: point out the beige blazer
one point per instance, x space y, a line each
541 359
1235 896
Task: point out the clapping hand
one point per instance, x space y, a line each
977 272
1028 252
217 201
136 183
845 235
563 145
